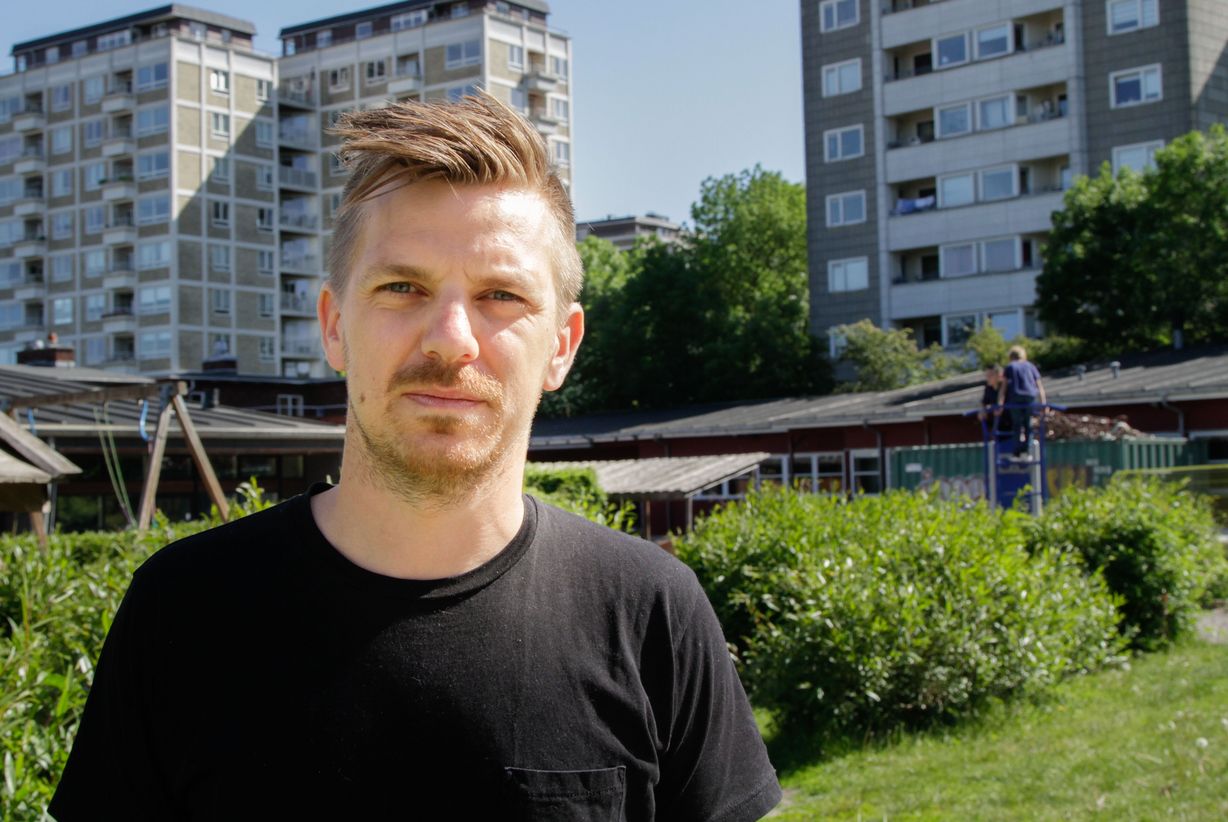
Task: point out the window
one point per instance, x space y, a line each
264 219
951 50
95 175
153 210
219 124
95 305
1131 15
152 120
515 57
93 88
155 254
62 225
954 120
264 134
846 209
61 311
994 41
219 257
61 97
52 55
62 183
219 171
80 48
407 66
339 79
95 263
114 40
265 261
409 20
993 113
363 30
1135 86
95 219
848 275
842 78
153 344
151 166
198 30
560 109
265 307
11 189
264 90
519 99
376 71
999 183
558 66
454 94
62 268
1000 255
154 299
837 14
468 53
219 81
866 473
219 214
268 349
219 300
460 9
843 143
562 153
10 148
957 260
1140 156
264 177
91 132
956 329
61 140
956 190
151 77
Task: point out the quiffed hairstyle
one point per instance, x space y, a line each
476 141
1017 352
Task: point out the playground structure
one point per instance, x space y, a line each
1013 480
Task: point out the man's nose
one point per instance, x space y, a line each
449 335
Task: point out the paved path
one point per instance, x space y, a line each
1213 625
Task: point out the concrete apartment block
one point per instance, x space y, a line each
941 135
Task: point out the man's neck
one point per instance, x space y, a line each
379 530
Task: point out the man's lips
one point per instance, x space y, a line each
443 398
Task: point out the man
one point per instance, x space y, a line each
422 641
1021 390
989 395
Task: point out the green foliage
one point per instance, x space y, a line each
55 609
668 324
1136 261
577 490
855 617
989 347
1154 543
887 358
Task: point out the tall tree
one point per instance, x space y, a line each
1136 261
888 358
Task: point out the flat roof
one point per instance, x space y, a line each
663 477
171 12
390 8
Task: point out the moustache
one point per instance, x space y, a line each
435 373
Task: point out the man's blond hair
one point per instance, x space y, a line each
1017 352
476 141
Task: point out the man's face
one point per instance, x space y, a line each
448 331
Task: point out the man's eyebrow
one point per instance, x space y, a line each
381 270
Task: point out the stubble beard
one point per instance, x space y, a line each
405 463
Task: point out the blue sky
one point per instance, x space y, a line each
666 92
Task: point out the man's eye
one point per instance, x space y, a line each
503 296
400 288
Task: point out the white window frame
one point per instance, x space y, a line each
939 134
154 344
155 82
219 213
268 349
838 134
219 257
156 262
264 90
1151 147
61 97
152 210
339 78
143 174
1009 115
63 225
1013 170
93 175
946 319
94 219
515 57
942 200
62 182
560 109
219 300
266 261
266 304
834 7
61 140
216 119
838 275
943 273
1142 72
265 177
464 58
364 30
560 152
1010 41
93 88
92 132
95 307
265 134
409 20
62 311
879 474
938 66
375 71
219 81
1141 7
1017 261
839 200
831 72
163 123
264 219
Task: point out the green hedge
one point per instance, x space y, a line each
577 490
854 617
1155 544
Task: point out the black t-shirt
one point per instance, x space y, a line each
253 671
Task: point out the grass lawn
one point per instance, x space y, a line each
1147 742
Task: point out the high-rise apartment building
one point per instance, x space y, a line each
941 134
166 191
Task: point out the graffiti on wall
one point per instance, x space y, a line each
972 486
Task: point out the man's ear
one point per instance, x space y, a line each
567 343
328 310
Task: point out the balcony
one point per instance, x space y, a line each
119 188
925 20
300 347
538 79
1035 139
1018 215
31 161
405 84
119 275
545 122
120 232
119 320
30 121
299 222
30 246
298 304
29 287
119 98
297 178
298 138
972 294
30 205
119 144
290 94
983 78
300 263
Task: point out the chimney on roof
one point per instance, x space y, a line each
1080 371
1116 367
48 353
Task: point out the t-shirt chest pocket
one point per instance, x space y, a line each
575 796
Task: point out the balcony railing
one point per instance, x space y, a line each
298 303
301 96
1042 115
305 221
299 137
906 206
300 177
302 347
300 262
1049 41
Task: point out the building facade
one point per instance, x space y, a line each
166 191
623 232
941 135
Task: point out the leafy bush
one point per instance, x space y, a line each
859 616
576 490
56 606
1155 544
